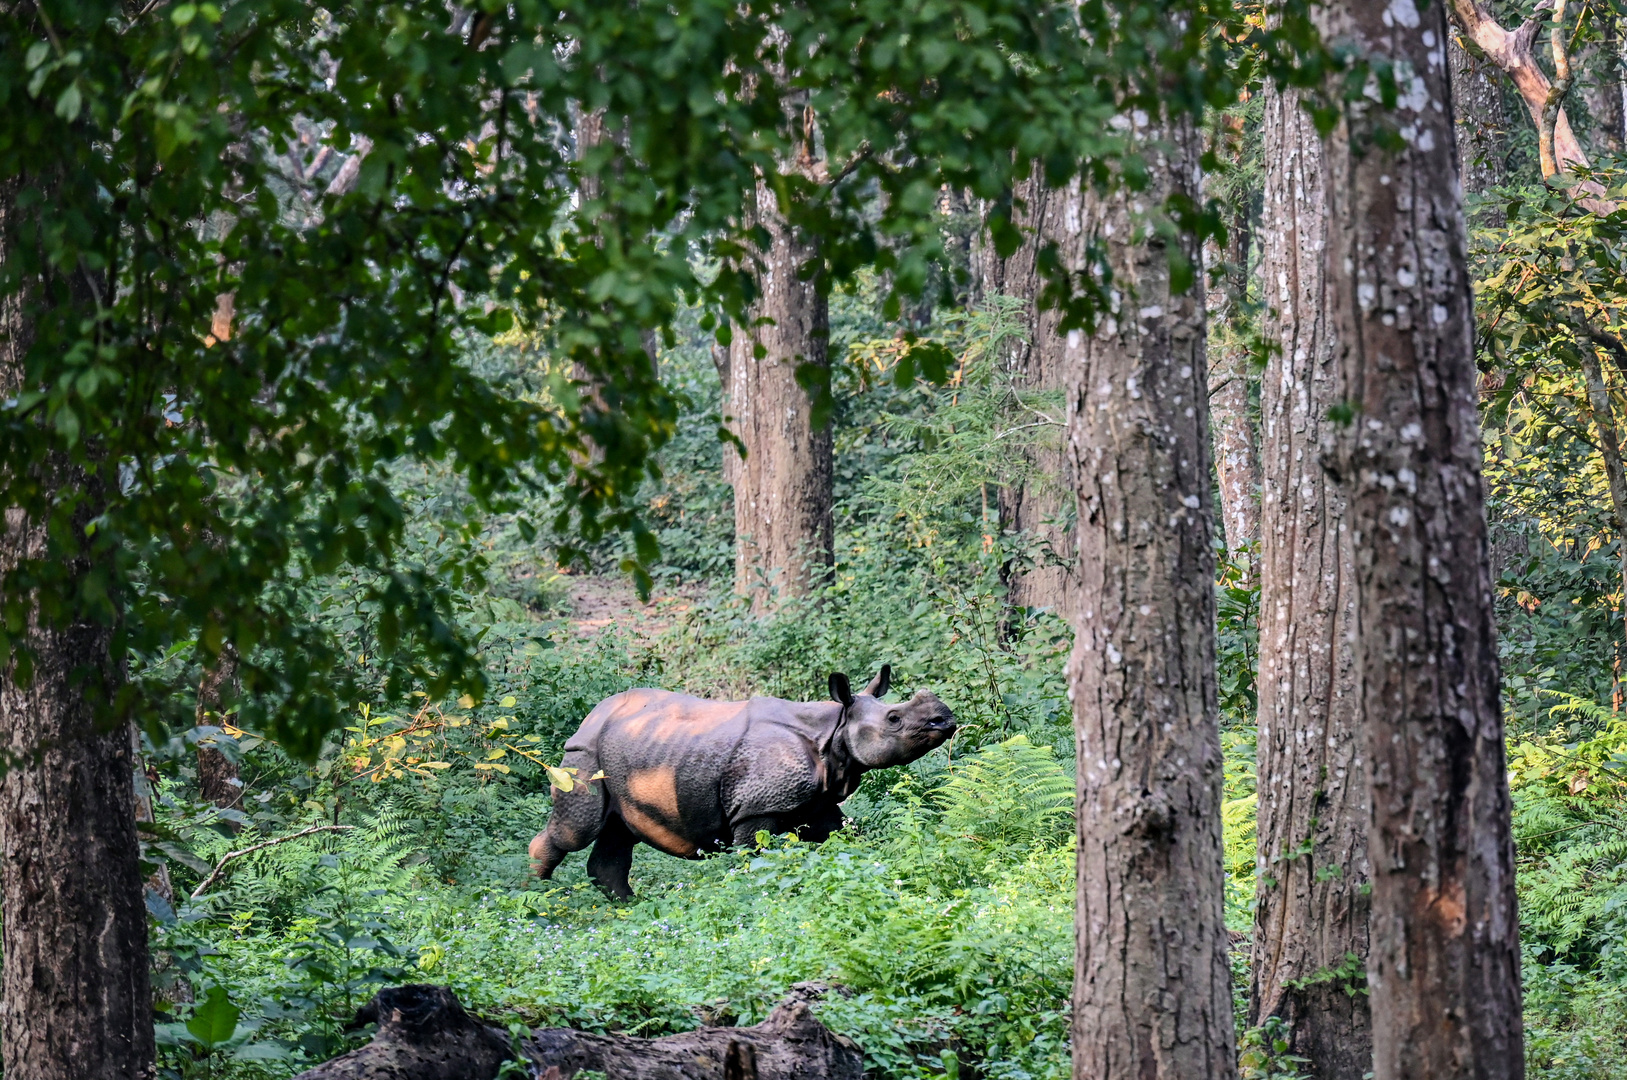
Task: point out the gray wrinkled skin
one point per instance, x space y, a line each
689 776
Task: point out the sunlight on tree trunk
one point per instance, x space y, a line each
1444 967
1152 984
1311 912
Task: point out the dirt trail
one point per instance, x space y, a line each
601 601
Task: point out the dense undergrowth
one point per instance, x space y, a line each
941 919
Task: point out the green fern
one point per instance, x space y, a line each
1010 794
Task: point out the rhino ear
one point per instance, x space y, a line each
840 688
878 685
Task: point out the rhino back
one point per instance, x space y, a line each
681 769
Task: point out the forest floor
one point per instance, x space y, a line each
600 602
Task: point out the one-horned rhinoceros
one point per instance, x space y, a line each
689 776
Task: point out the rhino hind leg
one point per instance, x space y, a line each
612 859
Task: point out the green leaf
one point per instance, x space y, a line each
69 102
215 1021
37 53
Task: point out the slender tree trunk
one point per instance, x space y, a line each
1482 121
1603 89
1237 457
1604 422
784 532
1034 506
218 779
1311 909
74 995
1444 966
1152 987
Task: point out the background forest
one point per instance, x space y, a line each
945 912
289 881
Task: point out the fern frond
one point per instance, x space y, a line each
1010 793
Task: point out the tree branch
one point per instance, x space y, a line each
230 855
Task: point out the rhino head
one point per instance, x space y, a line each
880 735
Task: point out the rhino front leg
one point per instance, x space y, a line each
746 829
612 859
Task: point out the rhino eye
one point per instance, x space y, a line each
892 718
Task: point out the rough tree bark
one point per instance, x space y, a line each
1310 912
423 1034
1444 965
784 531
1152 988
1603 90
1052 217
218 779
1237 457
74 994
1482 122
1513 54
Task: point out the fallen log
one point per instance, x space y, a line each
790 1045
423 1034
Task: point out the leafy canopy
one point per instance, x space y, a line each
363 187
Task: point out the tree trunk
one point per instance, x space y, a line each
1152 987
1034 506
1310 912
1604 422
1482 122
784 531
1444 966
1237 457
1603 88
218 779
74 994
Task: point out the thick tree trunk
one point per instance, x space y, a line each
74 994
1482 122
1311 911
1034 506
1152 988
1444 966
784 532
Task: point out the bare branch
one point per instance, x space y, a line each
230 855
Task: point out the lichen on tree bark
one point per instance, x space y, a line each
1311 907
1152 986
1444 966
